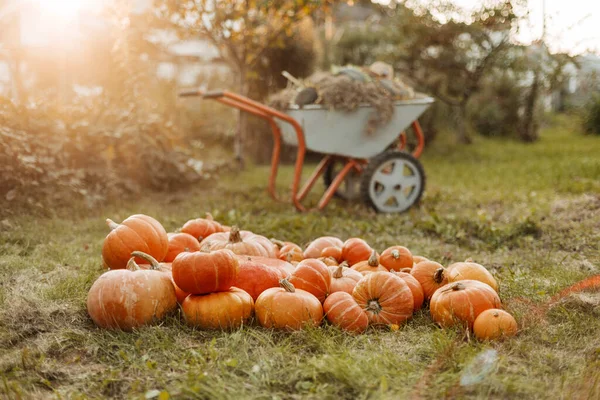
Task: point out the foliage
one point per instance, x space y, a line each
592 115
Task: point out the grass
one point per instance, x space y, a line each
531 213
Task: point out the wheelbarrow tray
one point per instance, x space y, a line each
344 133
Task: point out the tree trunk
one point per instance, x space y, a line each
528 132
462 133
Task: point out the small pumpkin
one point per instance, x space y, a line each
470 270
201 228
329 261
288 308
343 279
494 324
386 298
241 242
415 288
127 299
180 242
371 265
418 259
312 276
138 232
356 250
203 272
284 267
431 275
334 252
288 251
396 258
220 310
315 248
344 312
459 303
255 277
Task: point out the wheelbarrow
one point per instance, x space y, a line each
355 165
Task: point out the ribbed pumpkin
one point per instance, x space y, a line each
255 277
334 252
431 276
219 310
201 228
315 248
241 242
396 258
284 267
344 312
124 299
343 279
288 251
370 265
202 272
180 242
138 232
288 308
494 324
356 250
415 288
312 276
386 298
459 303
470 270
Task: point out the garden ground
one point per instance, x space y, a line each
530 213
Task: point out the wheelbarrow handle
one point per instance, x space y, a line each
190 93
214 94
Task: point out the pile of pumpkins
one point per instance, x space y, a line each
222 277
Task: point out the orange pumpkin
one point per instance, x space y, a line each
334 252
494 324
342 311
470 270
459 303
329 261
138 232
255 277
166 268
201 228
284 267
415 288
355 250
343 279
219 310
290 252
288 308
386 298
418 259
431 276
180 242
201 272
371 265
315 248
124 299
312 276
241 242
396 258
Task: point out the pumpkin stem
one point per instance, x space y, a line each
209 217
205 248
277 242
373 306
132 265
234 235
458 286
470 260
396 254
112 225
287 285
339 272
154 264
438 275
373 261
345 264
200 238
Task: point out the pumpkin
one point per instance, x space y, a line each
494 324
415 288
127 299
371 265
312 276
459 303
470 270
329 261
241 242
418 259
166 268
180 242
315 248
342 311
221 310
386 298
430 275
334 252
289 251
201 228
138 232
396 258
355 250
288 308
255 277
285 268
343 279
202 272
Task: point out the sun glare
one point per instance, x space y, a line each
64 9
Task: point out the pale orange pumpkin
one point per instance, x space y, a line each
334 252
255 277
418 259
289 251
240 242
370 265
343 279
470 270
220 310
180 242
415 288
312 276
356 250
166 268
430 275
315 248
202 272
396 258
329 261
201 228
344 312
494 324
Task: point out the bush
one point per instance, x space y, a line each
592 116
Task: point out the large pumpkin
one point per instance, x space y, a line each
386 298
343 279
470 270
201 228
202 272
316 247
220 310
396 258
312 276
344 312
288 308
415 288
459 303
124 299
370 265
431 275
180 242
138 232
494 324
284 267
241 242
166 268
356 250
255 277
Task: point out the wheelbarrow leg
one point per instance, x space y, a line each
314 177
339 179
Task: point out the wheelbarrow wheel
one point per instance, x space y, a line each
392 182
350 188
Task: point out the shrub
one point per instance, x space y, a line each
592 115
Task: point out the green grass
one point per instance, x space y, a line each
530 213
